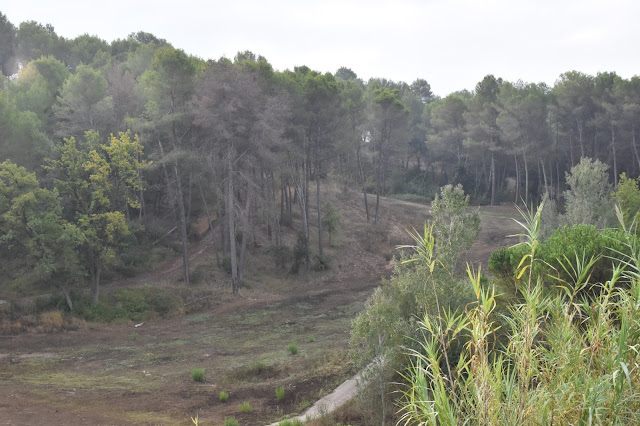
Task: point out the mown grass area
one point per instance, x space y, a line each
243 352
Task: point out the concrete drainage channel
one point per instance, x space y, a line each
343 393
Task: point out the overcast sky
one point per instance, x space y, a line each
451 44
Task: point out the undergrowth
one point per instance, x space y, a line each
564 357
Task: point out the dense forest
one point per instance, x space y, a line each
112 135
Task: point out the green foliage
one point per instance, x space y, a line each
549 368
566 244
98 182
321 263
245 407
387 325
280 393
230 421
223 396
293 348
281 254
20 138
588 198
294 422
84 104
300 251
455 227
628 198
197 375
133 304
32 228
330 219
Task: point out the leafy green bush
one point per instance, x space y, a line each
223 396
135 304
293 348
245 407
321 263
197 374
230 421
294 422
280 393
566 244
331 219
281 255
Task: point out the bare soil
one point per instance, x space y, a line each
121 374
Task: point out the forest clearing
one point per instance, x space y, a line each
120 374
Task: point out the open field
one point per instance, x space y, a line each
122 374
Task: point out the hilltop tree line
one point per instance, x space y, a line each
115 135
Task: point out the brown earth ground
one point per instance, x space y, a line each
121 374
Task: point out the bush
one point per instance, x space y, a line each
197 374
245 407
331 219
51 321
135 304
581 241
300 252
321 263
223 396
230 421
281 255
293 348
294 422
280 393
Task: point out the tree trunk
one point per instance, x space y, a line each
94 274
580 138
362 180
376 219
319 208
615 158
67 297
178 202
544 174
245 231
517 191
633 144
526 179
183 224
493 180
231 222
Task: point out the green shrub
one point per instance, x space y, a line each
280 393
230 421
300 252
293 348
580 241
311 339
245 407
281 255
226 263
294 422
331 219
321 263
256 369
197 374
223 396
